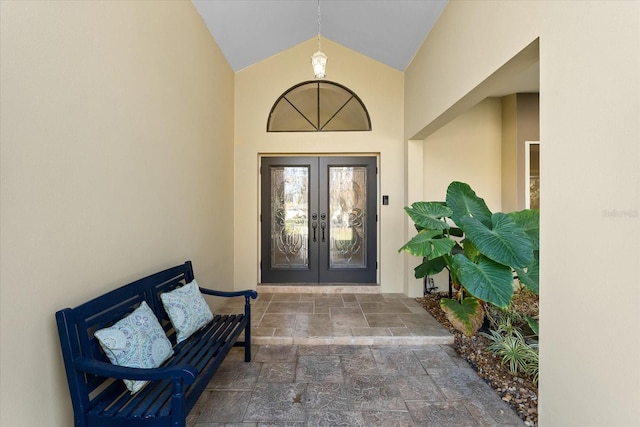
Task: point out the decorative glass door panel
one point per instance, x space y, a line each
289 217
318 217
347 216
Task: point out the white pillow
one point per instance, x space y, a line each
187 310
136 341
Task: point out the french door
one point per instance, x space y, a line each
318 220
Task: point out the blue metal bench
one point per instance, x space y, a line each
98 395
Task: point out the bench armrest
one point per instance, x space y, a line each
184 372
246 293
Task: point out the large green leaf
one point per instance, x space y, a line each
463 202
427 214
529 221
465 316
470 251
428 244
533 324
430 267
504 243
530 277
487 280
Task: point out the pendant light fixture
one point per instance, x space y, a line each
319 59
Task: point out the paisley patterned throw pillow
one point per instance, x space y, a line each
187 310
136 341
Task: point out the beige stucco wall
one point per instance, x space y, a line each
381 90
590 128
467 149
510 153
116 155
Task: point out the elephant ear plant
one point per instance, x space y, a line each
483 252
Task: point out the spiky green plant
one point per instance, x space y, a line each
514 351
509 342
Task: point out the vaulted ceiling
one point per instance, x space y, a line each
389 31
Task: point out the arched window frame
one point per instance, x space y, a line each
317 126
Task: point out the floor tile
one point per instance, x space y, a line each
376 320
434 357
395 361
313 325
369 332
319 369
359 365
417 387
276 353
278 424
263 297
306 321
374 392
459 383
278 372
286 297
320 309
283 332
278 320
326 397
290 307
441 414
418 320
340 330
350 350
225 406
329 302
276 402
387 419
242 424
489 412
236 376
400 332
313 350
349 298
351 317
370 298
335 419
383 307
263 332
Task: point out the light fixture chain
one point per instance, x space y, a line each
319 25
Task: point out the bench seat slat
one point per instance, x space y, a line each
199 352
206 354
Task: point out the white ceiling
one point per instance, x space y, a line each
389 31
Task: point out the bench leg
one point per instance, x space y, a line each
247 330
178 417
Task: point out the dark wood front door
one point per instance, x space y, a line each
318 220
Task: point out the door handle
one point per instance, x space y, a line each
323 225
315 227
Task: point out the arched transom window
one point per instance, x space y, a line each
318 106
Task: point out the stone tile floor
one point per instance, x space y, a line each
347 360
349 385
345 319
